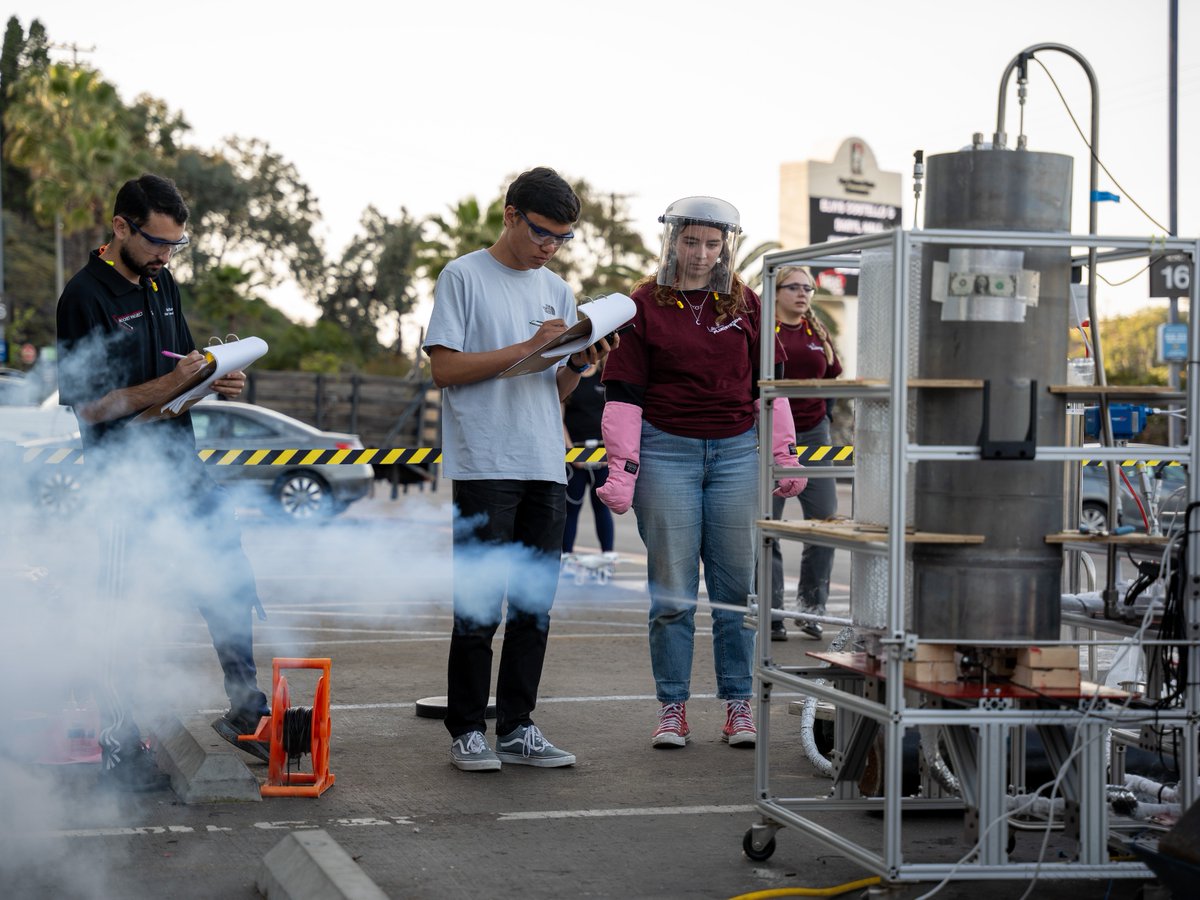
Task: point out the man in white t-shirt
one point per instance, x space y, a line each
502 446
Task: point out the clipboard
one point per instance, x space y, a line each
220 360
598 318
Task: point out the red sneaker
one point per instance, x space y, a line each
739 727
672 728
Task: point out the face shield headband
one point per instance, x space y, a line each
697 254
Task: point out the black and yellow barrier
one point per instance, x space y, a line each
419 455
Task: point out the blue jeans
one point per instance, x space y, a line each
696 501
819 501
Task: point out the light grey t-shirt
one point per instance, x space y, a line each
501 428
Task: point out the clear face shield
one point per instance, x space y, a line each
700 237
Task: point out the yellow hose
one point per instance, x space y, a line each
809 892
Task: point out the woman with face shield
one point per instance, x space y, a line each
682 443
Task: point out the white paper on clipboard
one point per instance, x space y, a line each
601 317
228 357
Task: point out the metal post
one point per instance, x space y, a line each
1173 430
3 302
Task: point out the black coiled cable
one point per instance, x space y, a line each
297 731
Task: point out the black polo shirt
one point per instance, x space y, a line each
111 334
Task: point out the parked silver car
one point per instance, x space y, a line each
295 490
1093 492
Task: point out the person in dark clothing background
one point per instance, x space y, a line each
582 412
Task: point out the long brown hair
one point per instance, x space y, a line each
727 305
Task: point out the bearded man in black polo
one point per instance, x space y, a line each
124 346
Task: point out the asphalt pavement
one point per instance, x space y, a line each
371 591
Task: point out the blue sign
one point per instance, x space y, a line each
1172 343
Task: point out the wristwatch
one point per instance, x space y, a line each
578 370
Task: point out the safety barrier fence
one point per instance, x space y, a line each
419 455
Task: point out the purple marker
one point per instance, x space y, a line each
173 355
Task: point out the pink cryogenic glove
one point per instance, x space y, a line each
621 427
783 447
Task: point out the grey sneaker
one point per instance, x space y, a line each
471 753
525 745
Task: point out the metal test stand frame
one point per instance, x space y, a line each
977 729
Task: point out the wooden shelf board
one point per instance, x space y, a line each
1077 537
967 690
862 533
968 383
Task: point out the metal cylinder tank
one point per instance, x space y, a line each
997 315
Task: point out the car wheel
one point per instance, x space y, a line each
59 494
1094 516
303 495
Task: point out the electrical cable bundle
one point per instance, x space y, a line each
1171 661
297 732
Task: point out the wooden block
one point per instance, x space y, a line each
1048 657
934 653
1042 679
931 671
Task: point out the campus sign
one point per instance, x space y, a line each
829 201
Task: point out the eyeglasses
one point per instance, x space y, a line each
157 242
541 236
797 286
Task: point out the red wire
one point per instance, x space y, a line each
1132 493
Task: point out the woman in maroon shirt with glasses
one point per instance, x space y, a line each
810 354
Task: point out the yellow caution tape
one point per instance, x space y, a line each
420 455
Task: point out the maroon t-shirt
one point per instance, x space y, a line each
806 359
699 377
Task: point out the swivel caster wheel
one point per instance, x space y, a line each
757 855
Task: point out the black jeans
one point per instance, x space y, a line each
507 538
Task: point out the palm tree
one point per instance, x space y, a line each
69 129
749 267
469 227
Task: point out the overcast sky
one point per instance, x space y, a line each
421 104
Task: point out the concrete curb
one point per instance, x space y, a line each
310 865
203 768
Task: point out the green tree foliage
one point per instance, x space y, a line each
1128 344
70 131
468 227
219 302
250 208
28 281
371 286
14 58
324 348
607 254
749 266
69 141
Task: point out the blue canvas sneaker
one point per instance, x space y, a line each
525 745
471 753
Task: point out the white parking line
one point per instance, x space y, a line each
613 813
377 821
